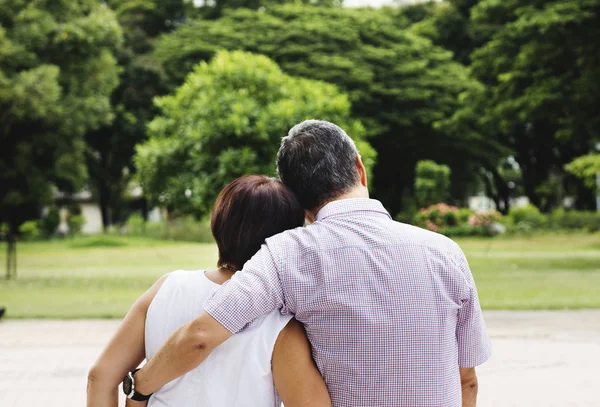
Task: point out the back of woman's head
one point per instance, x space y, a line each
249 210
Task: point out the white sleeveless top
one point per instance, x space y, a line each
235 374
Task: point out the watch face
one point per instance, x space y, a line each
127 385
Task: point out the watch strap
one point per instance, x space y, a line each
137 396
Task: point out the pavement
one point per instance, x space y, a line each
540 359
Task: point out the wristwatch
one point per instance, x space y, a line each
129 388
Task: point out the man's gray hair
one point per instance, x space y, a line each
317 160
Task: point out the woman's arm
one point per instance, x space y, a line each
124 352
296 377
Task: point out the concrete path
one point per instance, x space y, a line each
540 359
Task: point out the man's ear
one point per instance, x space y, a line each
362 172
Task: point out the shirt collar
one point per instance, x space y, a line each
352 206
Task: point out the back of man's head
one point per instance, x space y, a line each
317 160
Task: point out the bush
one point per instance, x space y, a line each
432 183
437 216
185 229
135 225
569 220
29 230
528 214
75 223
49 223
451 221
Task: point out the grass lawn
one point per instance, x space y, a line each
99 277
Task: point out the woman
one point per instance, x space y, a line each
273 353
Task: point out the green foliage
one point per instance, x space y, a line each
49 222
75 223
399 83
29 230
586 168
110 149
56 74
183 229
539 65
454 222
227 120
135 225
529 215
432 183
575 220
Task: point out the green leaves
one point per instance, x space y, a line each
586 168
56 76
399 83
227 120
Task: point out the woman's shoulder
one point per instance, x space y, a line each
183 289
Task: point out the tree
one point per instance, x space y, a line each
432 183
56 74
399 83
540 69
110 149
586 168
227 120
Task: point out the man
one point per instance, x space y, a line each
391 310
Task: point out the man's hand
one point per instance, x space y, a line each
184 350
468 381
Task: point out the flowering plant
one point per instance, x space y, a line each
451 221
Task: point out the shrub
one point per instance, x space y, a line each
432 183
451 221
528 214
484 219
135 225
48 224
463 215
561 219
185 229
75 223
29 230
437 216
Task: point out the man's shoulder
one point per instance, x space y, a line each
410 234
300 237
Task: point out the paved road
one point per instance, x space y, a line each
540 359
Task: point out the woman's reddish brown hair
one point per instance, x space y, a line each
249 210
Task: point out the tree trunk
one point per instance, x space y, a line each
104 202
503 192
489 191
11 257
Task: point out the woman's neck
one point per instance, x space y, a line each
219 276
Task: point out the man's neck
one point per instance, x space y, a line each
358 192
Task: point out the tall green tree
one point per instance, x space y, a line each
110 149
227 120
56 74
399 83
540 69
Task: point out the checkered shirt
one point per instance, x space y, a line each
391 310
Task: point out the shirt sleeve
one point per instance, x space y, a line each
252 292
474 346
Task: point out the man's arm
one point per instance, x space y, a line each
470 386
185 349
252 292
